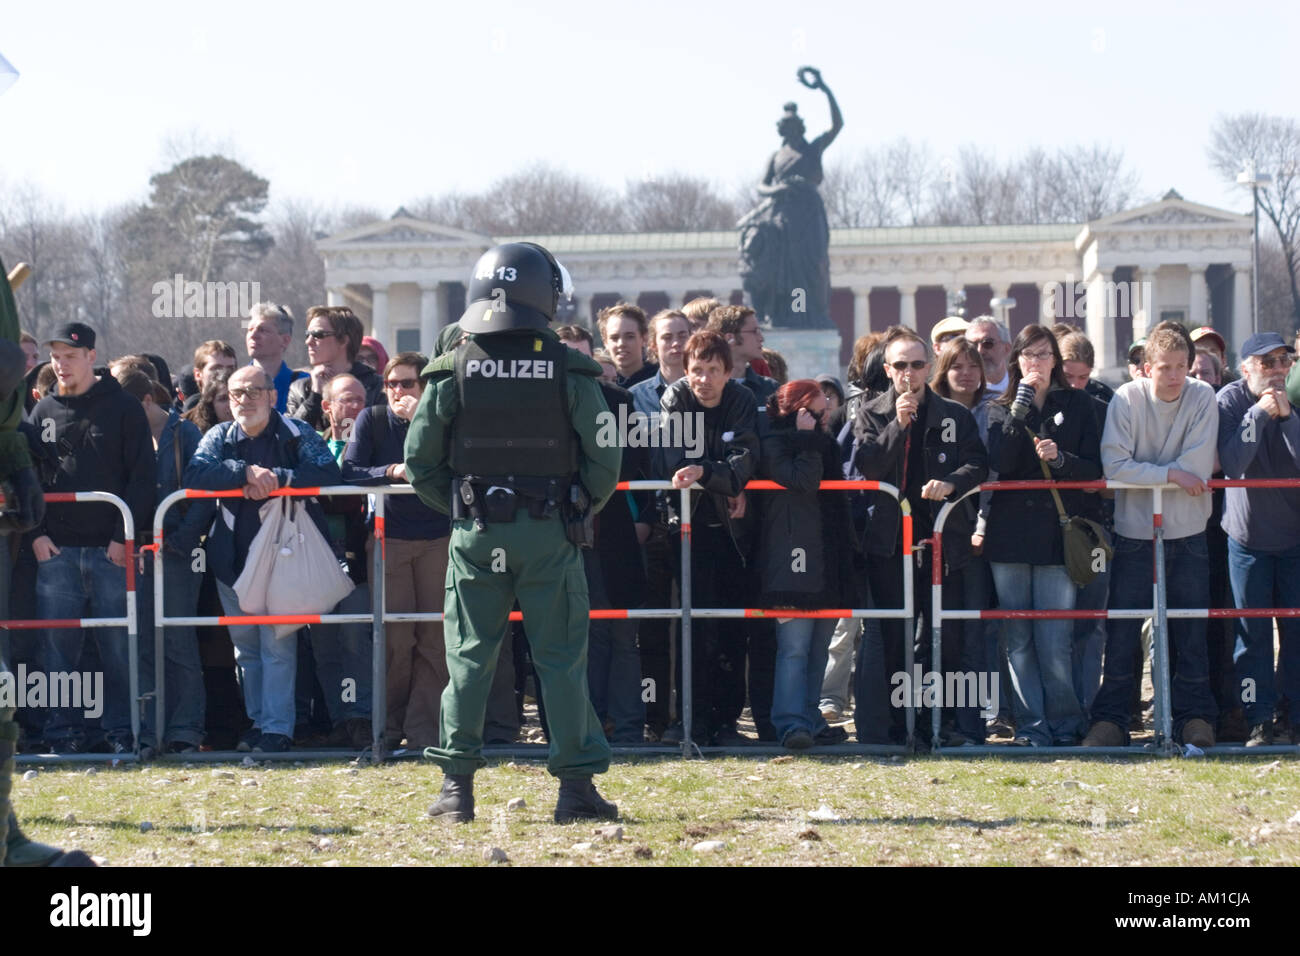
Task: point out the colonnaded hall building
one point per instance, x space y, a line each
1115 277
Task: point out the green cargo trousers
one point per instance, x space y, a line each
530 560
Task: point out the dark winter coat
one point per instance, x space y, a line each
952 452
1024 526
731 451
96 441
617 548
298 456
805 551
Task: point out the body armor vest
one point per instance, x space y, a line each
514 409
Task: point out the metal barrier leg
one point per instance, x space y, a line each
1160 634
379 650
687 688
159 651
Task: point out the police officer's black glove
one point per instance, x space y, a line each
24 506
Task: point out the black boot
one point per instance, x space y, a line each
456 801
580 801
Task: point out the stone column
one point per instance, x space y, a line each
335 297
1198 293
379 315
582 310
861 311
1242 320
430 316
907 306
1149 296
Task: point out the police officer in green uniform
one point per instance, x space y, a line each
23 509
504 440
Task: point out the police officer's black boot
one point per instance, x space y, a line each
580 801
456 801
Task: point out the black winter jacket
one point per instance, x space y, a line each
953 452
730 446
617 548
96 441
305 404
1023 526
805 552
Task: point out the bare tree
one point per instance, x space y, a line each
860 192
1093 183
1271 144
676 203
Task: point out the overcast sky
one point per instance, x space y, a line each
381 102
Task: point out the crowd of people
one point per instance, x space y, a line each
933 418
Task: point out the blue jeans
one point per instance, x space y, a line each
69 584
344 659
267 668
1039 653
613 664
183 671
802 646
1265 579
1187 582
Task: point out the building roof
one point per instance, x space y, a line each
885 236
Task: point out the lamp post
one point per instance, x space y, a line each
1002 306
1248 177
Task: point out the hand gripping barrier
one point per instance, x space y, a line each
129 622
380 615
1159 614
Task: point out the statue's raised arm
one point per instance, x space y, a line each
812 78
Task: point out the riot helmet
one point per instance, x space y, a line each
515 285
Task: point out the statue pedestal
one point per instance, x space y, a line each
807 352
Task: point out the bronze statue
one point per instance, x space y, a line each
784 240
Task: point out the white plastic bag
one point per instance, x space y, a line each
295 568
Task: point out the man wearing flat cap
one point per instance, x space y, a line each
1259 437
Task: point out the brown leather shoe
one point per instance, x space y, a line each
1105 734
1198 733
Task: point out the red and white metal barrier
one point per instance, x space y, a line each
130 622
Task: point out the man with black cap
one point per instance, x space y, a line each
505 441
93 437
1259 437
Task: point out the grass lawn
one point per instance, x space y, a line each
765 811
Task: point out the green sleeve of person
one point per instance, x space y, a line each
14 455
428 441
1293 385
599 465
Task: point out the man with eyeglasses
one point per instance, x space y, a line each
333 341
260 452
929 448
738 324
988 335
1259 437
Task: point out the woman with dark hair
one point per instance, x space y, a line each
805 556
214 403
1039 418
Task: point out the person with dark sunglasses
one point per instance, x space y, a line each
929 448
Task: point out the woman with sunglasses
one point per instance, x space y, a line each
415 566
1039 418
805 556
